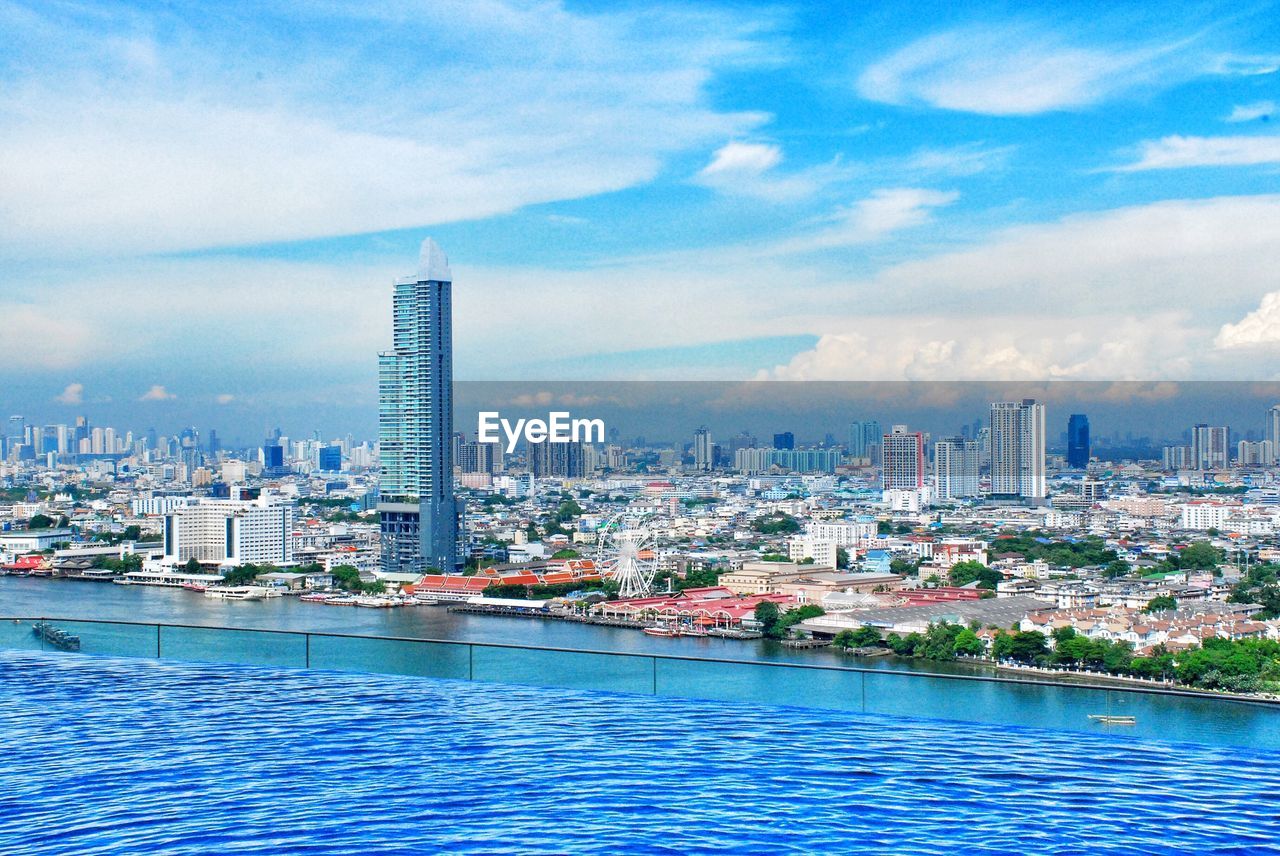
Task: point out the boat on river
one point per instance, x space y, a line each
50 635
1107 719
236 592
659 630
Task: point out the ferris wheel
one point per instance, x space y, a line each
625 553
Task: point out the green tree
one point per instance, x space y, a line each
1160 604
842 558
40 521
566 554
1115 570
778 523
1200 556
192 566
967 644
903 567
963 573
767 615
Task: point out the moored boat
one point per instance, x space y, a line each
1107 719
236 592
659 630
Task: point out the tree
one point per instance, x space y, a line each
968 644
1200 556
192 566
903 567
842 558
963 573
1115 570
1160 604
778 523
766 615
565 554
40 521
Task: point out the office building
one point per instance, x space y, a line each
864 440
1209 450
902 459
329 459
785 440
1078 441
230 532
418 510
1018 450
703 449
956 463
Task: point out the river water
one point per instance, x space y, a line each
882 690
34 598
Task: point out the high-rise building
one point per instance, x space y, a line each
329 459
785 440
1078 441
703 449
864 440
557 460
418 509
902 459
956 461
1273 428
230 532
1017 449
1209 447
476 457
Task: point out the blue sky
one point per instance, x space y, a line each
202 206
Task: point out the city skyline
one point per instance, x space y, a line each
935 214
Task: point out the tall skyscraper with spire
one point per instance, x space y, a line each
417 508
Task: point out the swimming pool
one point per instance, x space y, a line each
106 755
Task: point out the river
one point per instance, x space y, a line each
29 597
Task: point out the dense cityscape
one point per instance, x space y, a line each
987 546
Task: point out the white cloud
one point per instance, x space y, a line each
1250 112
225 398
125 143
872 219
1002 347
1178 152
749 169
72 394
157 393
959 160
65 340
750 158
1247 66
1010 71
1259 327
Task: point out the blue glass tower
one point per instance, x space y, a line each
418 511
1078 441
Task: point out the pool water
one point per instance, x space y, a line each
105 755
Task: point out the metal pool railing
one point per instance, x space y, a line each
1159 713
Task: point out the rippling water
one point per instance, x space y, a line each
119 756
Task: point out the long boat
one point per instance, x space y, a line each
1107 719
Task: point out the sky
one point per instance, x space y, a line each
203 206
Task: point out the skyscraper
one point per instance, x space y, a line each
1209 447
785 440
1273 428
703 449
418 510
1078 441
864 440
903 459
955 467
1017 449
